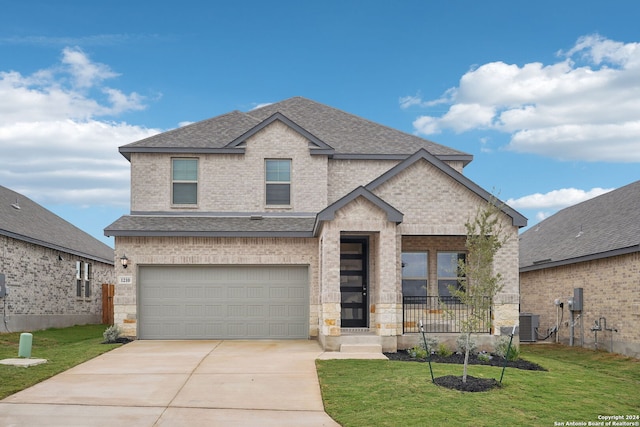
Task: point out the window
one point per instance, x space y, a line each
79 279
87 280
83 279
278 182
449 274
184 174
415 274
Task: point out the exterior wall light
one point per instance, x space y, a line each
124 261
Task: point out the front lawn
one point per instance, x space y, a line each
580 385
63 348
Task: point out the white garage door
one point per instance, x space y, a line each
234 302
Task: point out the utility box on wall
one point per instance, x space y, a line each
576 302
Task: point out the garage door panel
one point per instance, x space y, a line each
223 302
194 291
214 291
296 310
236 292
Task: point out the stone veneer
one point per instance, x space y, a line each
610 289
42 288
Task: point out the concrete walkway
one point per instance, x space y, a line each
180 383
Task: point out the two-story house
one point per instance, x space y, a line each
298 220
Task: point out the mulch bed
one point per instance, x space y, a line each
456 358
473 384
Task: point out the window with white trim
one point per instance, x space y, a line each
184 181
278 182
83 279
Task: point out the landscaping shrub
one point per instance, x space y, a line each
501 347
461 344
111 334
443 350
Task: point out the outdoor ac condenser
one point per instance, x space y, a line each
528 325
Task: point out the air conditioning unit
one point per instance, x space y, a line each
528 325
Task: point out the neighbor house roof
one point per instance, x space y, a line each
337 133
23 219
607 225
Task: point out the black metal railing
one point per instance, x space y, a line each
441 315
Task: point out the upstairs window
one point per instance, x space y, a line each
449 274
278 182
184 174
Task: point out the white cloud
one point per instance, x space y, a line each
84 72
584 107
55 148
556 199
260 105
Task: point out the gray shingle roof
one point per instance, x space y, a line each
603 226
211 226
35 224
347 134
211 133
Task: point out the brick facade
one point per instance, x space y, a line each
146 251
610 290
223 177
42 287
435 208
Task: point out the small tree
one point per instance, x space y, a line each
479 283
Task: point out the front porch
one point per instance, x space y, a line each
383 275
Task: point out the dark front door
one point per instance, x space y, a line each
353 281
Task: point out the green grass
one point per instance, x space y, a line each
63 348
579 385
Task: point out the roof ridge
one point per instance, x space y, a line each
368 121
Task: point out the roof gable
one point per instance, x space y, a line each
422 154
32 223
604 226
318 146
329 213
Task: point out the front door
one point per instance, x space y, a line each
353 281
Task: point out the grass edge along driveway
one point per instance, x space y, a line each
63 348
581 385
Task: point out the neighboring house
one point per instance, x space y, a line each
52 270
295 220
593 246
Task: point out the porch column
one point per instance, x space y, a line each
388 307
329 316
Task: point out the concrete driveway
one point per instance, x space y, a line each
180 383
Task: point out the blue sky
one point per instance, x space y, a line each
545 95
